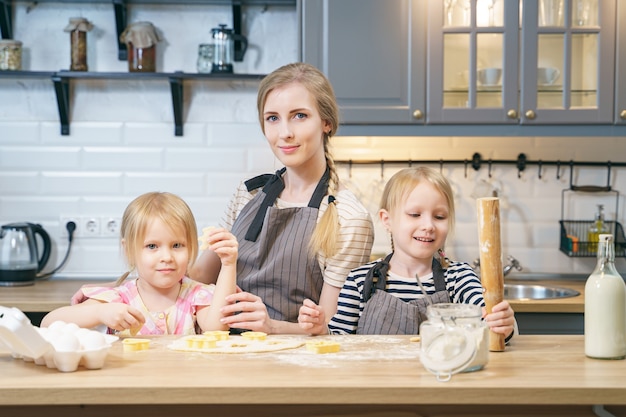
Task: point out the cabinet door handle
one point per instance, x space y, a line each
511 114
417 114
530 114
622 114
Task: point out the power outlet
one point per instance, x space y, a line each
111 226
90 226
64 220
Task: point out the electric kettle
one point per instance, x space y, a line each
20 261
223 40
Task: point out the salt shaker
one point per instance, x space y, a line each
141 39
78 28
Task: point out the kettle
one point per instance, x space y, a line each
223 40
20 261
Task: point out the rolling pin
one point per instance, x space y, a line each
491 274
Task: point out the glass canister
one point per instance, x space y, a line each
10 55
205 57
224 43
141 39
78 28
454 339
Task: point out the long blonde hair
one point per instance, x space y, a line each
403 182
169 208
324 238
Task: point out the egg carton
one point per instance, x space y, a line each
61 346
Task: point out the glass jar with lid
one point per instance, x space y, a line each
10 55
141 39
78 28
454 339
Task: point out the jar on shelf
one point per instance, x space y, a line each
10 55
141 39
78 28
454 339
206 52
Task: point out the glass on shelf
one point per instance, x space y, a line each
456 13
551 12
584 13
489 13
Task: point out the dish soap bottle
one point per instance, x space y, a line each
598 227
605 306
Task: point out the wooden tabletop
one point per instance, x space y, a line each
45 296
368 369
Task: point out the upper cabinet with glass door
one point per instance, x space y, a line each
565 53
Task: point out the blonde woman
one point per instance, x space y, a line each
159 241
300 232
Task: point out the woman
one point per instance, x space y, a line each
299 231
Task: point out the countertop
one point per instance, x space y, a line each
542 375
45 296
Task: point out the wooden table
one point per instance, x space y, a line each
371 375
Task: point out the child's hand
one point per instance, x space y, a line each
220 241
501 319
119 316
312 318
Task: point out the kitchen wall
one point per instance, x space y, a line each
122 143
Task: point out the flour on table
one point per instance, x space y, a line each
238 344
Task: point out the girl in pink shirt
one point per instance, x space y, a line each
159 241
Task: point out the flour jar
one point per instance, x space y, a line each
10 55
454 339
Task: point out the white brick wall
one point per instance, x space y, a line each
122 142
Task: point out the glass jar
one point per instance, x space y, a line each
454 339
205 57
10 55
78 28
141 39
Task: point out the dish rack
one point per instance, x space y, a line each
574 240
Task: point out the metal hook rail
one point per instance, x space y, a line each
522 162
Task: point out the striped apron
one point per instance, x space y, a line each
387 314
274 261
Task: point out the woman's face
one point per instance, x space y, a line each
420 225
293 126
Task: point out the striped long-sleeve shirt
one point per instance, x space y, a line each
462 284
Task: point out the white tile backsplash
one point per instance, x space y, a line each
122 142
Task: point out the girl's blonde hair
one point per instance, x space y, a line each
403 182
325 236
171 209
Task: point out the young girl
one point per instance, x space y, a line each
300 232
384 297
159 241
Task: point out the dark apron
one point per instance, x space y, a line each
387 314
274 261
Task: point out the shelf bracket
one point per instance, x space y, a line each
120 10
176 85
5 19
62 91
239 52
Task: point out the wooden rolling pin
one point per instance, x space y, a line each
491 274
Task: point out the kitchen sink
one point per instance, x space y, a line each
536 292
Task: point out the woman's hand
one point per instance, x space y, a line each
247 311
312 318
501 319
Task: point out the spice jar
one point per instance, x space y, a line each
205 57
10 55
454 339
78 28
141 39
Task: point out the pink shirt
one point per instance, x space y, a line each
179 318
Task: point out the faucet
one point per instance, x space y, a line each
513 263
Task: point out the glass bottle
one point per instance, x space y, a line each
597 228
605 306
141 39
454 339
78 28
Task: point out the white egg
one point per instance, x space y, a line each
57 325
70 328
92 340
66 342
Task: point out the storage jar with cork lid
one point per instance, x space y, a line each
141 39
78 28
10 55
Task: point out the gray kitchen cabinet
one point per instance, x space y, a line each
373 53
620 87
429 63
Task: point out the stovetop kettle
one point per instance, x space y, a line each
20 261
